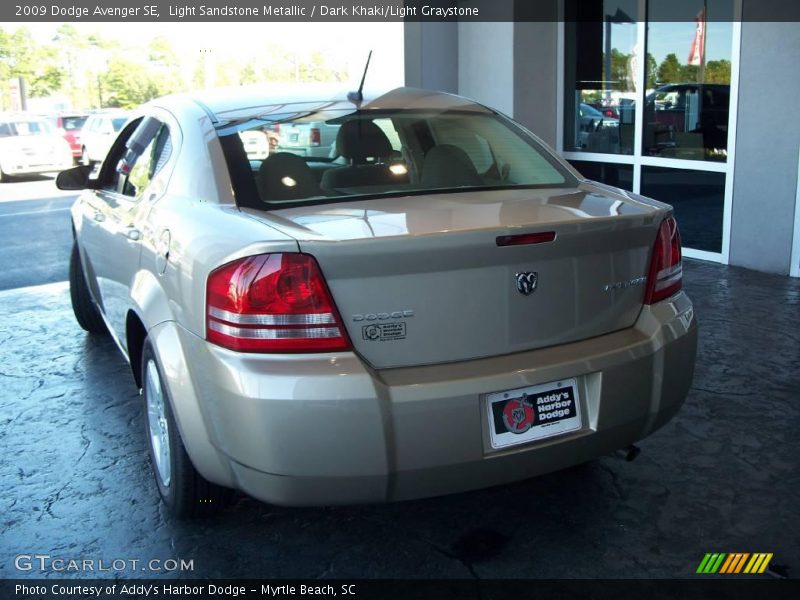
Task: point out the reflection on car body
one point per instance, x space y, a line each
243 292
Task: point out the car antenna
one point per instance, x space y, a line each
357 97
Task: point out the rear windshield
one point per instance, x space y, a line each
119 122
73 123
24 127
303 158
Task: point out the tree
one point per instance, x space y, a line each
38 66
163 66
127 84
651 70
718 71
247 75
669 71
619 77
69 45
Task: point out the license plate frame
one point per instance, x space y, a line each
535 413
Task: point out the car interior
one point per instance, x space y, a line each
395 154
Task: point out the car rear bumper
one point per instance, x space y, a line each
326 429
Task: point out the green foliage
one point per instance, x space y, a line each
94 71
127 84
718 71
621 76
651 72
670 70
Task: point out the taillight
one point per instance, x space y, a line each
314 138
276 127
666 271
273 303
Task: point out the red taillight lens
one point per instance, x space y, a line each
666 271
314 137
276 127
273 303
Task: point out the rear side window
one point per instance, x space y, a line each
25 127
377 153
72 123
138 157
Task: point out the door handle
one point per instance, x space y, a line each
133 234
99 217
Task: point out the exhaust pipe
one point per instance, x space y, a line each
629 453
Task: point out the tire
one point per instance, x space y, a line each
185 493
86 312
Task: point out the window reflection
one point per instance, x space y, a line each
620 176
698 198
600 80
688 76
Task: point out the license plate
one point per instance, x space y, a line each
293 137
533 413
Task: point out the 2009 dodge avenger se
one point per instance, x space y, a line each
438 304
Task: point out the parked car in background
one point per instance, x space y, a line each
445 305
256 144
313 139
607 110
98 132
596 132
69 125
688 120
30 145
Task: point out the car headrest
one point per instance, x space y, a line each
446 165
360 139
285 176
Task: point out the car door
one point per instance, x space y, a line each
114 212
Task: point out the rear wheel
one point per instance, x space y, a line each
86 312
183 490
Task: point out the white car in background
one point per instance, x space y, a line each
99 131
30 145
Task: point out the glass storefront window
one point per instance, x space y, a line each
688 77
620 176
601 57
698 198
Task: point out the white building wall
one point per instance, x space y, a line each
486 64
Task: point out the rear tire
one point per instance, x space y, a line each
183 490
86 312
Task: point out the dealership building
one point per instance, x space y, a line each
691 102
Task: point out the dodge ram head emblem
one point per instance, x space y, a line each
526 282
518 415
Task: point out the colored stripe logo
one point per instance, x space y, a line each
734 563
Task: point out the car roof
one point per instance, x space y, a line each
247 102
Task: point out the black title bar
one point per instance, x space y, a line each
323 11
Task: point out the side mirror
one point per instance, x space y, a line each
76 178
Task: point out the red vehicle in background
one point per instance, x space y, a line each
69 125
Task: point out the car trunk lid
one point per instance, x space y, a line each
422 280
